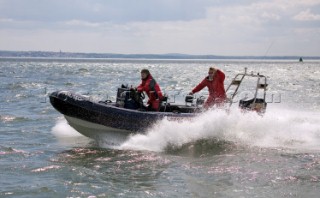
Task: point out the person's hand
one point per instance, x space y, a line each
133 89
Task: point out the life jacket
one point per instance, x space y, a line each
216 89
152 89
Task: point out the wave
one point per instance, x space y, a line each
219 131
11 118
4 150
63 129
278 128
68 136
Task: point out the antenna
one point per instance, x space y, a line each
269 48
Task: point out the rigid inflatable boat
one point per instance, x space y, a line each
127 114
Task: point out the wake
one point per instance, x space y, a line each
278 128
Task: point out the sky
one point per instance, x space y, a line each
198 27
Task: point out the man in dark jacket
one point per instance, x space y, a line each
215 83
152 89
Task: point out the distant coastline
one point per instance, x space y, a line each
47 54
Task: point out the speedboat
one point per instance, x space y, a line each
127 115
124 116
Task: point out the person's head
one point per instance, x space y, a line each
144 73
212 71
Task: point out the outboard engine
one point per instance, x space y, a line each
122 96
128 98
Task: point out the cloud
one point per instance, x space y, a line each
243 27
81 23
117 11
307 16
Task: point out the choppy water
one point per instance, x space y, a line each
218 155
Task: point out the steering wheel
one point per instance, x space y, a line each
137 96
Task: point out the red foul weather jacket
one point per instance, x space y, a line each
151 87
217 93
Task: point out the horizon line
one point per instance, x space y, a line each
32 53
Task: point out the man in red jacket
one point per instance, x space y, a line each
215 83
151 87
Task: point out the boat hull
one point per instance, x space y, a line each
91 118
109 136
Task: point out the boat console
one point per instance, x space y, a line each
130 98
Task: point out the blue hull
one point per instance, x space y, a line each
109 115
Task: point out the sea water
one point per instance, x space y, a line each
218 154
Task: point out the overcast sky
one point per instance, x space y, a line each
216 27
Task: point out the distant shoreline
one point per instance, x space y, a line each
72 55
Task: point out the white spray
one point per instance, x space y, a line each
277 128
